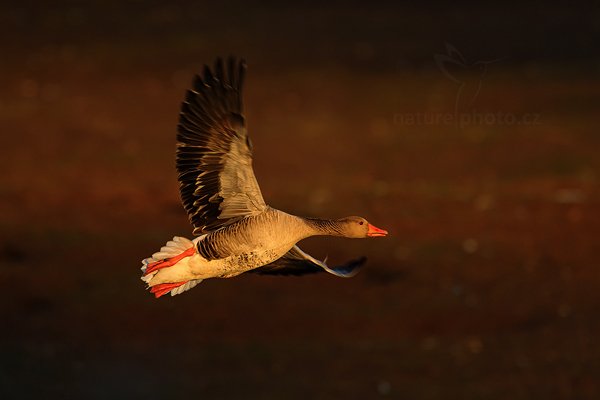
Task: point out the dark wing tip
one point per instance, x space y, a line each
197 83
219 70
208 75
350 268
227 73
211 118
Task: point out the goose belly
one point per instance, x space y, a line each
240 263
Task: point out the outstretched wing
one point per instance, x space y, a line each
297 262
214 157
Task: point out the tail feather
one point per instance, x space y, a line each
172 248
186 286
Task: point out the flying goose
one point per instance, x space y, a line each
238 232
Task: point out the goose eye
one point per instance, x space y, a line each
360 223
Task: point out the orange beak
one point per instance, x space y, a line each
375 231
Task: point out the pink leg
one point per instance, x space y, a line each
169 262
164 288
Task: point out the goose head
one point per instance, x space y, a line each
358 227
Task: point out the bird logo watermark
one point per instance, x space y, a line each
467 75
469 79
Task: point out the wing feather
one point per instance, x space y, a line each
297 262
214 157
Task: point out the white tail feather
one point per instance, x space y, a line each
187 286
171 249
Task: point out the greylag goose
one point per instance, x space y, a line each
237 231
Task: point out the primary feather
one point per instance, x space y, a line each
214 156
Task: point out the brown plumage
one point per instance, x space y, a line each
219 191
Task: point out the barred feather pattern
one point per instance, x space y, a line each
214 156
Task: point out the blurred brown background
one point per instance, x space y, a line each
486 288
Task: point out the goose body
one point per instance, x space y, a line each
238 231
237 248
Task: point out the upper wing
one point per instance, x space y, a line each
214 156
297 262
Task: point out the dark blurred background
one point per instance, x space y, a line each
469 131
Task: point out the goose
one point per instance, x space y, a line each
236 230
